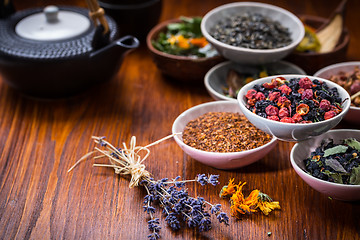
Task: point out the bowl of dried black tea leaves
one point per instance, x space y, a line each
330 163
251 32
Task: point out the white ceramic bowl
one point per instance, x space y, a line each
292 131
215 78
215 159
253 56
353 114
302 150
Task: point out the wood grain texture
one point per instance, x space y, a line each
40 140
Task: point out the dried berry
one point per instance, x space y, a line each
284 112
272 110
325 105
305 83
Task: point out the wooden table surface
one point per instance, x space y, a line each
40 140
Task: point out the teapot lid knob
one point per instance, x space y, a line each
53 24
51 13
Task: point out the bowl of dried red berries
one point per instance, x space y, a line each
294 107
330 163
218 134
347 75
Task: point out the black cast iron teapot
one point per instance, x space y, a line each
58 51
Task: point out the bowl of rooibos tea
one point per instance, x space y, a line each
218 134
330 163
251 32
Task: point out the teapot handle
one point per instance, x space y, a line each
6 8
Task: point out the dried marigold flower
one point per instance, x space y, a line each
302 109
256 200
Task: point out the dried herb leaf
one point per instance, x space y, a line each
334 164
352 142
355 176
337 177
335 150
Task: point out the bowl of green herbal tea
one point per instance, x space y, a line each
180 51
330 163
219 135
252 32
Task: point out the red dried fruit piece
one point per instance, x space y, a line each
307 121
305 83
297 118
308 93
271 110
280 80
283 102
274 118
287 120
251 94
273 96
329 114
259 96
285 89
283 112
336 109
268 85
325 105
302 109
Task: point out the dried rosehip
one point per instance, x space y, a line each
287 120
308 93
259 96
274 118
283 102
325 105
271 110
285 89
268 85
329 114
302 109
297 118
273 96
251 94
283 112
305 83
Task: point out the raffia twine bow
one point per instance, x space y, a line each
125 161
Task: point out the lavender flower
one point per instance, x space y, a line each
178 206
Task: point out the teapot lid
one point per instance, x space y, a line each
52 24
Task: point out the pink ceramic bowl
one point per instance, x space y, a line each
216 159
302 150
353 115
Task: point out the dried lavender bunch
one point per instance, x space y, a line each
178 206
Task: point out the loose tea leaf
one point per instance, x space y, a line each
335 150
355 176
352 142
334 164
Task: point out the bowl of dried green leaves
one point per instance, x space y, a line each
218 134
330 163
180 51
